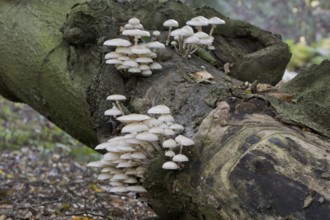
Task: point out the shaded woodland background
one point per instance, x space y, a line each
304 24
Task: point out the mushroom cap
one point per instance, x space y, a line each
216 21
152 122
166 118
138 26
134 70
123 58
168 132
119 189
144 60
146 73
117 42
136 189
116 183
184 141
136 32
156 44
170 165
170 143
112 55
134 127
133 118
155 66
122 67
104 176
113 61
124 50
128 26
159 109
152 55
176 127
156 130
126 164
112 112
169 153
96 164
138 155
191 40
126 156
156 33
116 97
130 63
140 50
144 67
180 158
180 32
134 21
207 41
202 18
171 23
146 136
201 35
111 156
130 180
197 22
189 29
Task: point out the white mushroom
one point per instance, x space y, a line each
180 158
132 118
214 22
136 189
134 21
170 23
169 153
170 165
116 97
159 109
198 23
155 66
117 42
134 128
170 143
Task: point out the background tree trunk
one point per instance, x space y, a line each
51 58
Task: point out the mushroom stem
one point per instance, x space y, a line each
168 36
181 147
118 105
136 39
193 51
199 28
212 29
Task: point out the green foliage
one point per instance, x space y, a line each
21 126
304 54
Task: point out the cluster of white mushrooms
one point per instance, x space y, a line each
128 156
130 55
186 41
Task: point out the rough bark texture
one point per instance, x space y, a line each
244 164
247 165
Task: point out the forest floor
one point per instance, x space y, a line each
43 174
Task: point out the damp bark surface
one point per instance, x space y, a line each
245 161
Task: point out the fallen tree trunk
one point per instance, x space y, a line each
245 162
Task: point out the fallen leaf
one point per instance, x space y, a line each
263 87
227 67
282 96
203 75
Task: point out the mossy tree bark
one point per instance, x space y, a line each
245 163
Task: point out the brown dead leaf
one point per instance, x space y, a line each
227 67
282 96
263 87
203 75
